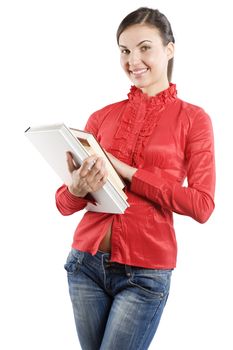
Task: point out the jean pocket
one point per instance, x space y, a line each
73 261
153 283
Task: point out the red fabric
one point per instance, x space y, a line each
167 140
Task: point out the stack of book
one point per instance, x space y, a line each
53 141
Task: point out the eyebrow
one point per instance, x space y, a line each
141 42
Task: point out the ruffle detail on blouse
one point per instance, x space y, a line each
138 122
136 96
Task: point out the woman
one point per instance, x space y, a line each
120 266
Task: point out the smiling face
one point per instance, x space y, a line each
144 58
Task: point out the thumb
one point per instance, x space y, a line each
70 162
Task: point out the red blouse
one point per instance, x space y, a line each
167 140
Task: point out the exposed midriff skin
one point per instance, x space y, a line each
105 244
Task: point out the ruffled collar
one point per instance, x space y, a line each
137 123
136 96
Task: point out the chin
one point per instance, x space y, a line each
140 85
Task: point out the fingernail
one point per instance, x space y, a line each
91 164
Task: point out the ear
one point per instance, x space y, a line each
170 50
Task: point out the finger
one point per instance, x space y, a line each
100 183
102 174
105 177
70 162
91 164
97 168
98 180
88 165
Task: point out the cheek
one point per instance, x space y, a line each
153 60
158 60
123 63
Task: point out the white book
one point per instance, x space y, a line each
53 141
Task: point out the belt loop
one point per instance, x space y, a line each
78 254
128 270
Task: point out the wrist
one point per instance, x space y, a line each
76 193
131 173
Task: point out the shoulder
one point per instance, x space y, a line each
198 125
110 108
190 109
193 114
100 115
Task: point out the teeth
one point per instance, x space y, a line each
139 71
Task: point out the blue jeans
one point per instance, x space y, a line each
116 306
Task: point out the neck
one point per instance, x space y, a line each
155 89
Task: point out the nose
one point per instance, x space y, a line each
134 58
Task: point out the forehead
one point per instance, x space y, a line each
139 32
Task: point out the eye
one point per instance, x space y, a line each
145 48
125 51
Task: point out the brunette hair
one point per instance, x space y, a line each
154 18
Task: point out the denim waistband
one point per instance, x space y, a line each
103 258
102 252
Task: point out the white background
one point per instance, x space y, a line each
59 62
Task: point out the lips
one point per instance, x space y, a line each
138 71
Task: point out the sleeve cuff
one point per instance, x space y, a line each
150 183
78 200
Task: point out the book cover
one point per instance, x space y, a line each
53 141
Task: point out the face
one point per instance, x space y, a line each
144 58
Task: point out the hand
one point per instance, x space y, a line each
123 169
89 177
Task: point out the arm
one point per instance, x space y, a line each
67 200
67 203
196 200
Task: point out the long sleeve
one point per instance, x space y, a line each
67 203
197 199
167 140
